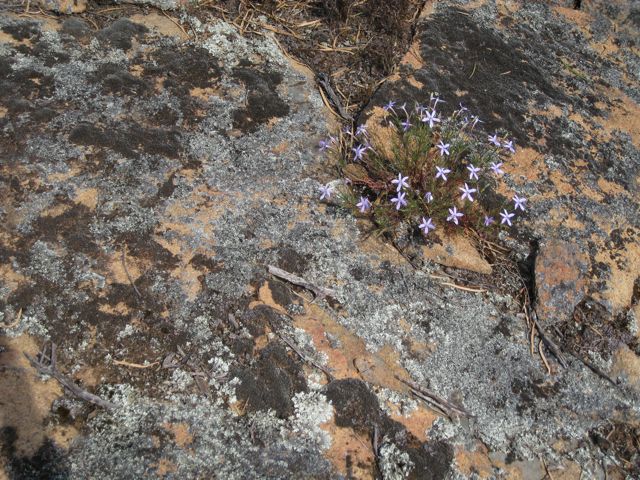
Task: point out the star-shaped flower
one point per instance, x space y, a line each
519 202
454 214
401 182
406 125
430 118
435 99
358 152
428 197
476 119
389 106
399 200
426 225
466 192
506 217
509 146
442 173
488 220
326 191
494 139
473 171
324 145
364 205
361 130
444 148
495 166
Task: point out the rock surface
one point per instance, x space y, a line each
561 279
150 176
64 6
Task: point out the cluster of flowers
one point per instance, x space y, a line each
447 147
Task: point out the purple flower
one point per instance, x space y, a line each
430 118
466 192
389 106
399 200
428 197
506 217
406 125
519 202
326 191
442 173
324 145
401 182
444 148
476 119
509 146
494 139
488 220
435 99
426 225
364 205
495 166
361 130
454 214
358 151
462 108
473 171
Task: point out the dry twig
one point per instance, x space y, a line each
304 358
547 341
319 292
39 364
126 271
466 289
430 397
135 365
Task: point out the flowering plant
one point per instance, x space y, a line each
435 172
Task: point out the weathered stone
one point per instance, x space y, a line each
64 6
561 280
456 251
144 190
563 84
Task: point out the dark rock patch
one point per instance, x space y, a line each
76 28
47 463
184 67
121 32
22 31
281 293
128 140
357 407
291 261
70 227
116 79
263 102
258 319
202 262
26 83
271 382
432 461
48 55
474 60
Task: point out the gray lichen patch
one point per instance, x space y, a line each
147 185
